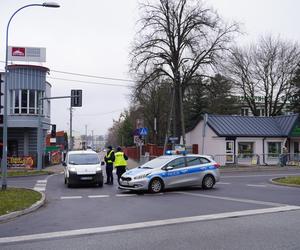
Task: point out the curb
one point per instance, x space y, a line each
273 181
30 209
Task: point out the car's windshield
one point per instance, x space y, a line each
83 159
155 163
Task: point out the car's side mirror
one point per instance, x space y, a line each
102 163
64 163
167 168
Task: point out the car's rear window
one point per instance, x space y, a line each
83 159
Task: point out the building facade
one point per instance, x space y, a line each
247 140
27 85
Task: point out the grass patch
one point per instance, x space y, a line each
25 172
295 180
15 199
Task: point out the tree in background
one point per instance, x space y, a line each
295 100
179 40
265 69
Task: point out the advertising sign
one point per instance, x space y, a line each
28 54
20 162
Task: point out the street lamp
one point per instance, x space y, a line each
4 150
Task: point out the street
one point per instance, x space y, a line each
243 206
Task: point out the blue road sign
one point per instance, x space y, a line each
143 131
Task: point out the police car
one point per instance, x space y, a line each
172 171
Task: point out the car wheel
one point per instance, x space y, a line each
208 182
156 185
100 184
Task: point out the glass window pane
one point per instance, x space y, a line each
177 163
274 149
192 161
245 149
17 102
24 101
31 101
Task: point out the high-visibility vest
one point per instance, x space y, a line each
108 156
119 159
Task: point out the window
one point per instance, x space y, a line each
245 112
274 149
245 149
25 101
261 112
192 161
177 163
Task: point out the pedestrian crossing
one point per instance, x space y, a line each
40 185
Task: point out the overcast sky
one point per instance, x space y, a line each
93 37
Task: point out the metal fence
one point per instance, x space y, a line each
258 159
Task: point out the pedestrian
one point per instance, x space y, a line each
120 162
109 159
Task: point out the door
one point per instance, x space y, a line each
229 151
175 176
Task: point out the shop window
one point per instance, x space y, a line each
24 101
245 149
274 149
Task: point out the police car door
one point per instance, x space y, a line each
177 175
194 169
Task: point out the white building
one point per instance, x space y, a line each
247 139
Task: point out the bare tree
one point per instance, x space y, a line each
265 69
178 41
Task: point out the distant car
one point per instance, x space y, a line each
82 167
172 171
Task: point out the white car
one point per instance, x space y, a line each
83 167
172 171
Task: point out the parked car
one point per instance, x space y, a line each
172 171
82 167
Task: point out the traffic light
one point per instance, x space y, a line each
53 131
76 98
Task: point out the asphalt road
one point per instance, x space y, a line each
243 211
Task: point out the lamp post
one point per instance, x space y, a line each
4 150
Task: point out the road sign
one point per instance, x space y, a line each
143 131
137 140
173 139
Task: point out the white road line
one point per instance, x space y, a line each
98 196
254 185
147 224
125 195
41 181
234 199
70 197
223 183
41 189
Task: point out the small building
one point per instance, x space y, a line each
26 86
247 139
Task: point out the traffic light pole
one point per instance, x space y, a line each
71 138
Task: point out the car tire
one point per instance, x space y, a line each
156 185
100 184
208 182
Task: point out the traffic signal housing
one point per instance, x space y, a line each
76 97
53 131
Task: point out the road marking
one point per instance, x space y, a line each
70 197
254 185
125 195
234 199
223 183
98 196
146 224
40 185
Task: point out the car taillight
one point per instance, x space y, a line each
217 165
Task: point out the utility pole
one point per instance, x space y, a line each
86 138
71 135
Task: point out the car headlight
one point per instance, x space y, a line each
72 169
98 169
141 176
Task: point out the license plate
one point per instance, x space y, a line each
86 178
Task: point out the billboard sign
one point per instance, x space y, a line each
28 54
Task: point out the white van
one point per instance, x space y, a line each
82 167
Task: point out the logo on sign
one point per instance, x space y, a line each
18 51
143 131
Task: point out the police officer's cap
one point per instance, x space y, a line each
119 149
109 147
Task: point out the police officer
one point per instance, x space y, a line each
109 159
120 162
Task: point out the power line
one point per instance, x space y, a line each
98 114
